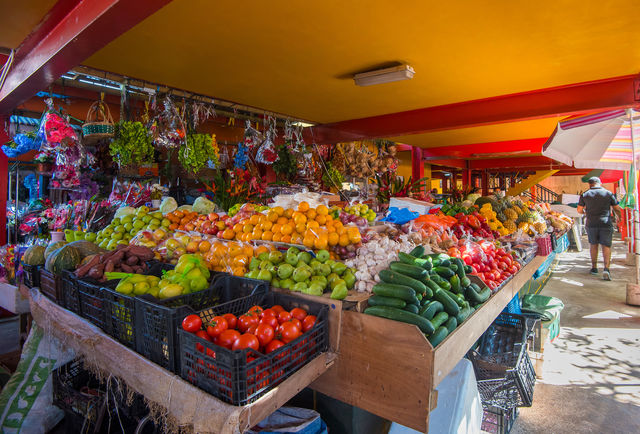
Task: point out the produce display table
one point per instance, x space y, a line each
185 404
390 369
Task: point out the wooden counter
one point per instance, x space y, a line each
390 369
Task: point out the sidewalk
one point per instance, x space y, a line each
591 375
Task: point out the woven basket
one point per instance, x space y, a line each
99 123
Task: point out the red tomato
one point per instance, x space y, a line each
277 309
308 323
232 321
513 269
247 340
265 334
491 284
508 260
297 322
257 310
480 275
289 332
192 323
467 259
502 265
252 329
270 321
284 316
268 312
202 334
245 321
298 313
217 325
273 345
227 338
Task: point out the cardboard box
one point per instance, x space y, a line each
12 300
566 199
414 205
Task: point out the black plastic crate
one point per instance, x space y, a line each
78 392
242 377
507 384
51 286
506 335
70 294
158 320
91 299
498 420
31 275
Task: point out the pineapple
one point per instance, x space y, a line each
510 213
540 227
510 225
502 217
523 226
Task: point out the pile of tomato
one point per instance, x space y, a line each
490 263
263 330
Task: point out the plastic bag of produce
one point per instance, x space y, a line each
168 205
124 211
26 401
202 205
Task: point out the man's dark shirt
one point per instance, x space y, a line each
598 202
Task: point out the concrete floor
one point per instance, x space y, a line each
591 375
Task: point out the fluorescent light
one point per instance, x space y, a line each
302 124
386 75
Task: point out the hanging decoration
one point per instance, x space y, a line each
241 157
252 137
198 150
267 153
132 144
168 129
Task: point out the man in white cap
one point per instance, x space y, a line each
596 204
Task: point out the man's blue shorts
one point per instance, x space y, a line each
600 235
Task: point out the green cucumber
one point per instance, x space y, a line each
453 267
438 336
460 271
396 291
458 298
413 271
400 279
450 306
419 297
439 319
468 269
418 251
412 308
464 314
477 297
444 272
433 286
380 300
475 287
401 315
464 282
412 260
439 256
429 310
451 324
455 284
444 285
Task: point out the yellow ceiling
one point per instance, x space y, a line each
532 129
17 19
297 57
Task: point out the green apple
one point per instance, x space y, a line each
254 264
304 257
118 229
275 283
314 289
275 256
115 221
264 256
117 236
138 224
293 251
78 235
253 274
339 291
291 258
143 209
285 270
331 277
286 283
155 222
337 282
322 256
157 215
300 274
166 223
133 232
349 278
338 268
123 242
314 263
126 219
90 236
299 287
324 270
146 218
104 243
264 275
128 227
106 232
112 244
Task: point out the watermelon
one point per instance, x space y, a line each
53 246
87 248
34 255
64 258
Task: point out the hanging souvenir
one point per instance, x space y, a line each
252 137
267 153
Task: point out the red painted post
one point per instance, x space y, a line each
417 164
466 176
485 183
4 177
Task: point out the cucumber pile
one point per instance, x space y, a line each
430 291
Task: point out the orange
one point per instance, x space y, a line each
247 250
313 225
311 214
179 214
261 249
267 225
341 230
267 236
329 218
237 227
334 238
254 219
256 234
300 228
173 226
272 216
322 210
283 220
352 231
288 212
320 243
234 249
308 242
344 240
278 210
204 246
296 238
310 233
286 238
228 234
287 229
303 206
238 271
189 227
192 247
356 238
277 228
321 219
240 260
300 218
277 237
247 227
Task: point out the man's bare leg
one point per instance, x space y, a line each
606 253
593 249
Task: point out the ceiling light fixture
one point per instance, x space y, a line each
386 75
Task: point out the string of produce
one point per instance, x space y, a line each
132 144
197 151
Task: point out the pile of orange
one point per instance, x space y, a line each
184 221
312 227
233 257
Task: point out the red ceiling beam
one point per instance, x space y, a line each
519 163
64 40
450 162
562 100
533 146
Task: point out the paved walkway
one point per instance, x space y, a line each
591 374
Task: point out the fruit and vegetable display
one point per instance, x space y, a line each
358 213
60 255
263 330
299 271
431 291
124 228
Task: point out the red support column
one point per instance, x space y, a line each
417 165
485 183
4 178
466 176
